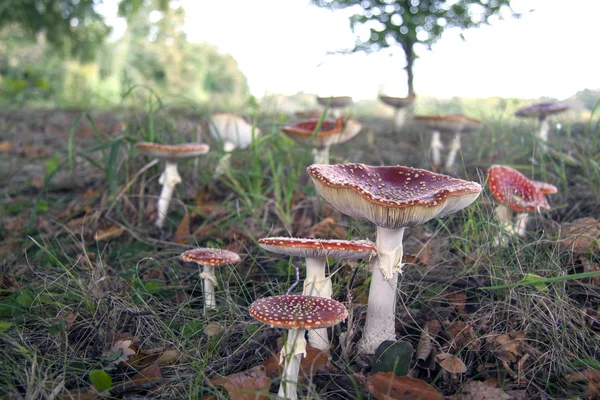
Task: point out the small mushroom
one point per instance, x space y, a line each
541 111
330 132
316 252
400 106
454 124
335 103
234 132
209 259
516 192
170 177
392 198
297 314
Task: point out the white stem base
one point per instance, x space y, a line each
521 224
507 228
321 156
168 179
208 275
454 148
543 130
434 148
399 119
317 284
381 310
291 354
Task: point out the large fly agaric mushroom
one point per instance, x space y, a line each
454 124
516 192
329 133
400 106
541 111
172 154
392 198
235 133
297 314
335 103
209 259
316 252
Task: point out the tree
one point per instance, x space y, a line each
411 22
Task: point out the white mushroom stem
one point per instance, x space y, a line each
321 156
543 129
504 217
454 148
435 147
208 275
317 284
168 179
224 163
381 310
521 224
399 118
291 353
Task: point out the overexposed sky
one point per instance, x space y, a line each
282 45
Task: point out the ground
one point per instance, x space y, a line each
94 301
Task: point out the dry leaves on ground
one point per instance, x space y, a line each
314 361
253 384
387 386
580 236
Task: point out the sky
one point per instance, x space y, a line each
282 47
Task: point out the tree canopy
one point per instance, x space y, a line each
410 22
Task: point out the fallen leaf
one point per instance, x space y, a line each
328 229
81 394
425 346
32 150
123 346
214 329
461 335
146 377
458 300
476 390
451 363
253 384
109 233
6 146
580 236
182 234
387 386
314 361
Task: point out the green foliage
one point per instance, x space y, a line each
410 22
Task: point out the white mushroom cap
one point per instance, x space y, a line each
319 248
172 152
231 128
335 101
397 102
451 123
392 197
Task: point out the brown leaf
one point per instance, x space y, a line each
5 146
425 346
144 378
580 236
328 229
253 384
182 234
387 386
125 346
314 361
476 390
214 329
109 233
458 300
32 150
461 335
451 363
508 346
81 394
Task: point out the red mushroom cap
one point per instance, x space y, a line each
515 190
298 311
392 197
319 248
306 128
545 188
210 257
176 151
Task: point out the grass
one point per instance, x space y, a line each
66 298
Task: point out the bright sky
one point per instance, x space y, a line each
282 46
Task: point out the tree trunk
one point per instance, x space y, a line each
410 62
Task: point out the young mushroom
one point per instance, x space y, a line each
297 314
454 124
541 111
234 132
516 192
316 252
400 106
330 132
392 198
209 259
335 103
172 154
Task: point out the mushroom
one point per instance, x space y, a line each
541 111
170 177
400 106
392 198
297 314
335 103
452 123
209 259
516 192
330 132
316 252
235 133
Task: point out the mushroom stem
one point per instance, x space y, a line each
317 284
504 217
454 148
208 275
435 147
224 163
381 310
291 353
543 129
521 224
399 119
168 179
321 156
